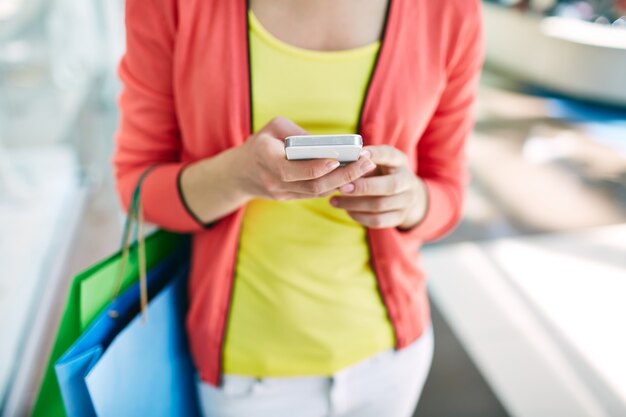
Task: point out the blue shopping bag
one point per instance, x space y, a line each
122 367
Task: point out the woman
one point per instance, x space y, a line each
306 294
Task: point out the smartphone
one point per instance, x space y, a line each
344 148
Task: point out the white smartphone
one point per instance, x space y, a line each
344 148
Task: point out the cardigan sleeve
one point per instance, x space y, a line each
441 150
148 134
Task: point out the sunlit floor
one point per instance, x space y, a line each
536 169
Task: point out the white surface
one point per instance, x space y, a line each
585 33
572 57
33 229
542 317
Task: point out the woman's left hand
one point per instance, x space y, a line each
390 196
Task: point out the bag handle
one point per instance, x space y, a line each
134 221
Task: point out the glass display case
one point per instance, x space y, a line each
55 64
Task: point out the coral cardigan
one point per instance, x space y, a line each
186 97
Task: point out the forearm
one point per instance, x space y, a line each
213 188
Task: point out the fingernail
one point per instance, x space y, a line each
367 166
348 188
333 202
332 165
365 154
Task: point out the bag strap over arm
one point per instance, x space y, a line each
135 222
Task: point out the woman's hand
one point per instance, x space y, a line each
265 172
216 186
392 197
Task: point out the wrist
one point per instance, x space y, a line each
237 178
217 176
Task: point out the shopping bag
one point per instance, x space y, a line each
89 293
150 365
122 367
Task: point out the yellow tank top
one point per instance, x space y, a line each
305 299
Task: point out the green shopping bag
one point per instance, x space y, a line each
91 292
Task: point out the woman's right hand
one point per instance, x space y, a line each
214 187
264 171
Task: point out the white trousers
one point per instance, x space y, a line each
388 384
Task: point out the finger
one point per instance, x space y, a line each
335 179
271 155
378 220
290 195
293 171
383 185
372 204
387 156
281 127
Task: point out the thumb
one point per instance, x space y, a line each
281 127
386 155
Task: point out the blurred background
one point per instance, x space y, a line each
528 293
